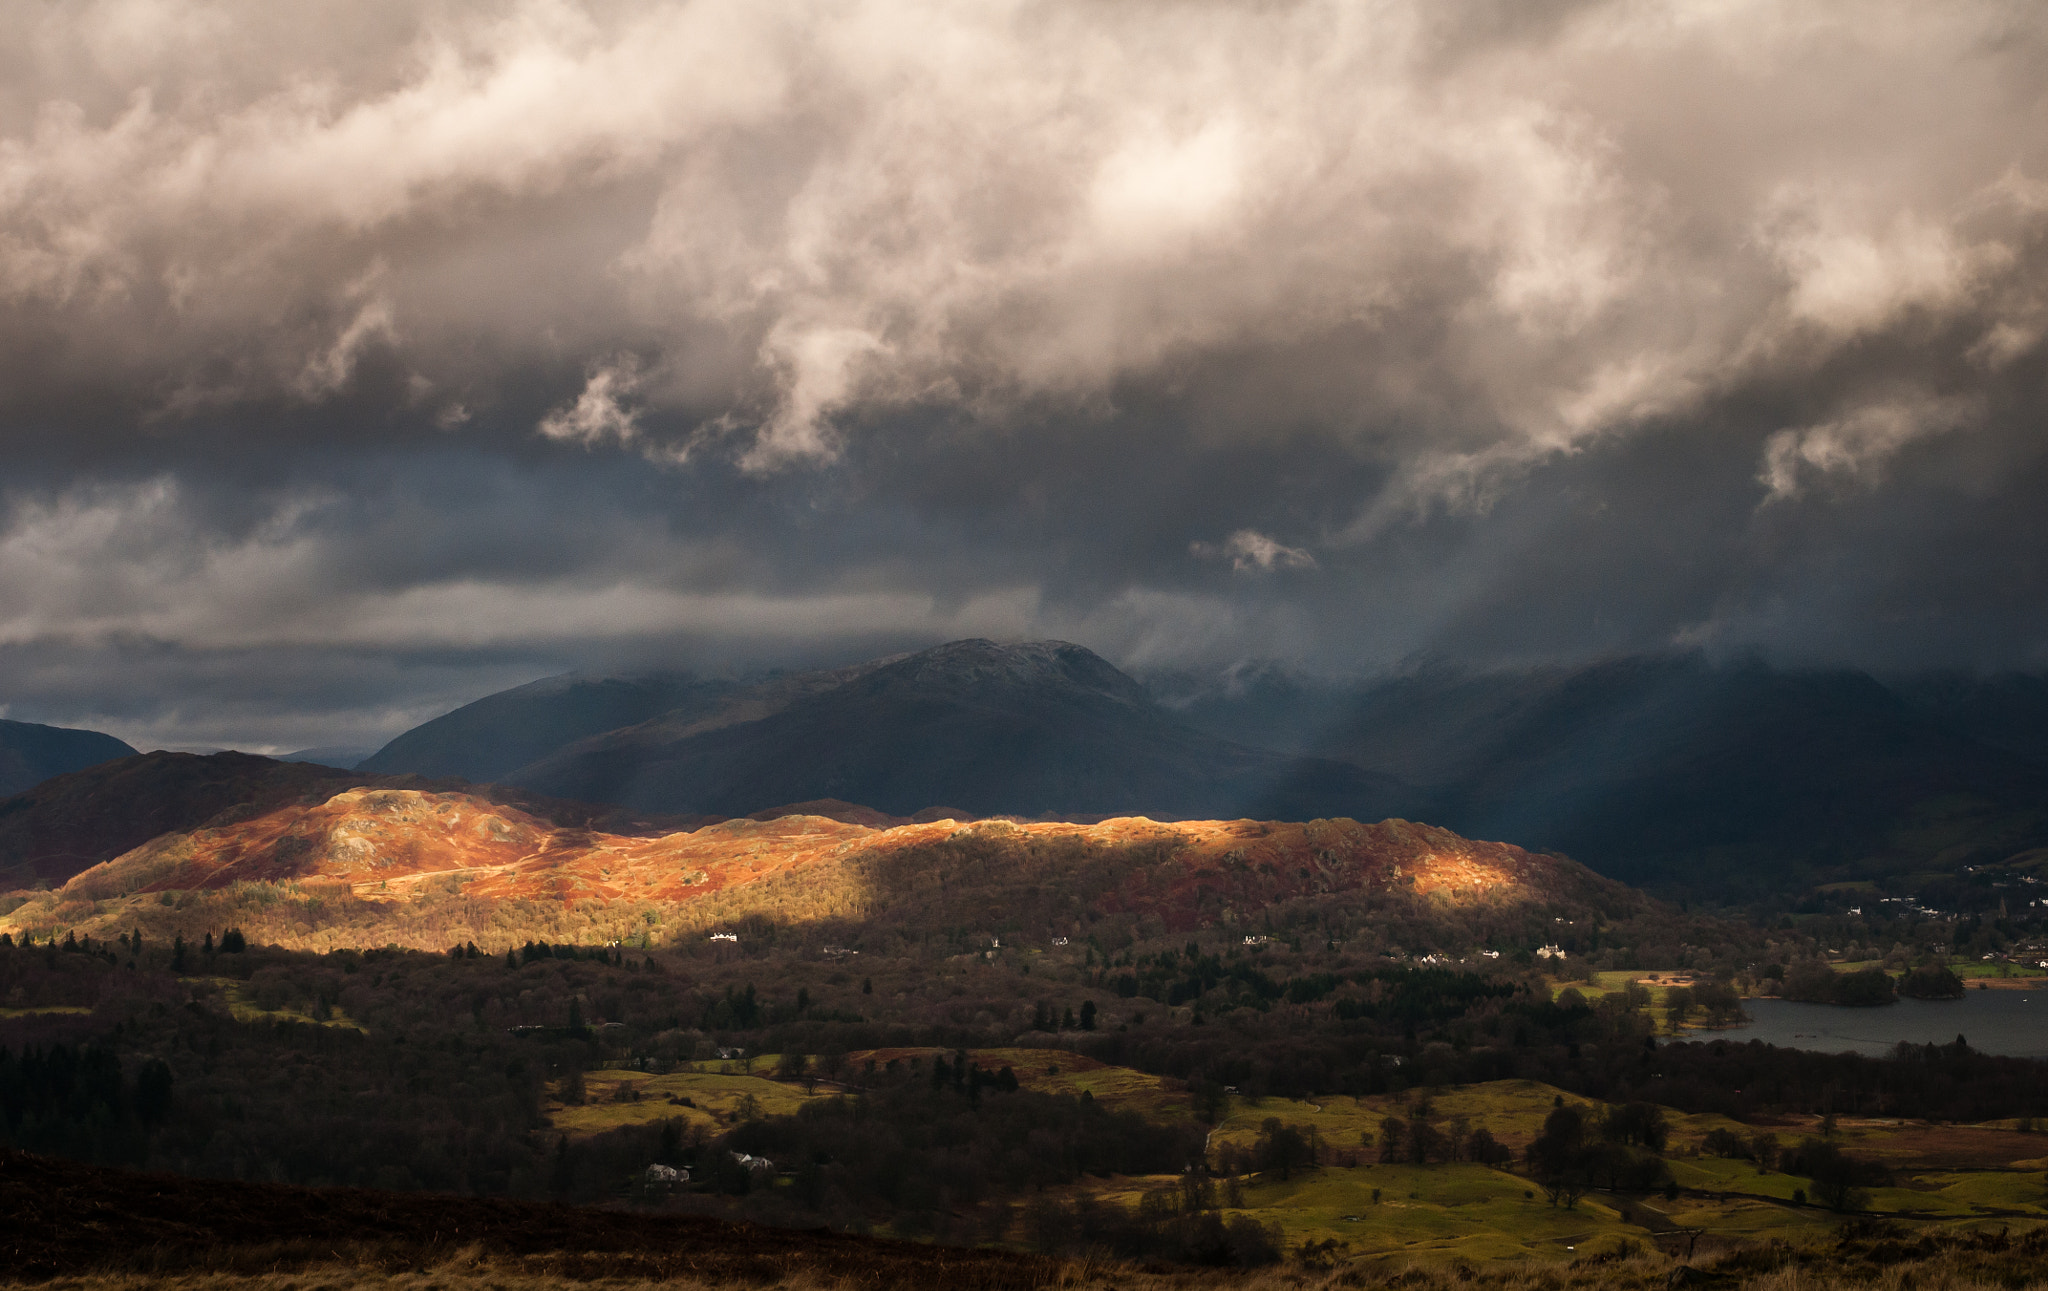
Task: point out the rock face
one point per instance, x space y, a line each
1044 728
31 754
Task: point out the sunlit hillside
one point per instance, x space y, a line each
372 866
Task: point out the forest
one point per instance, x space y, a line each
216 1055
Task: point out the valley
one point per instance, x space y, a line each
1026 1021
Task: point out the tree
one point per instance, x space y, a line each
1839 1180
1393 1133
832 1062
563 1175
1677 1003
1932 981
1763 1145
1635 1124
1558 1157
153 1092
1285 1148
1865 988
1481 1147
1722 1142
1426 1142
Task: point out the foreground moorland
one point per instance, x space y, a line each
76 1226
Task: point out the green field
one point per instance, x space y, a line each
1433 1213
716 1095
1988 1190
242 1009
1430 1213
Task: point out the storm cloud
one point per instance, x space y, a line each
358 360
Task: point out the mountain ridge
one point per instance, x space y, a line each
1032 729
1673 771
31 753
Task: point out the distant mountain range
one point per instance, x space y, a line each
1040 729
1677 772
1673 772
344 756
31 754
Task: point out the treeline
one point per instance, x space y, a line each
80 1102
1219 981
1815 981
1620 1151
944 1150
927 1144
1950 1082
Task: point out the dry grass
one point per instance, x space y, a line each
1866 1260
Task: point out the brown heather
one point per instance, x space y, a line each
373 867
1985 1261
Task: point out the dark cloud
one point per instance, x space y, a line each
356 364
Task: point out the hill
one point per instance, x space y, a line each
1678 773
1039 729
31 753
72 822
424 868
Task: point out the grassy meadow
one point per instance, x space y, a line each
1427 1215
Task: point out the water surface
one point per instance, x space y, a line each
2014 1023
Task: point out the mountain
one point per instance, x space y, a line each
489 739
31 754
2007 711
1039 729
343 756
1677 772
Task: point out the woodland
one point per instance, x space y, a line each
222 1057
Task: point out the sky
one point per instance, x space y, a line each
361 359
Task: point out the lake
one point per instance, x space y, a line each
2014 1023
